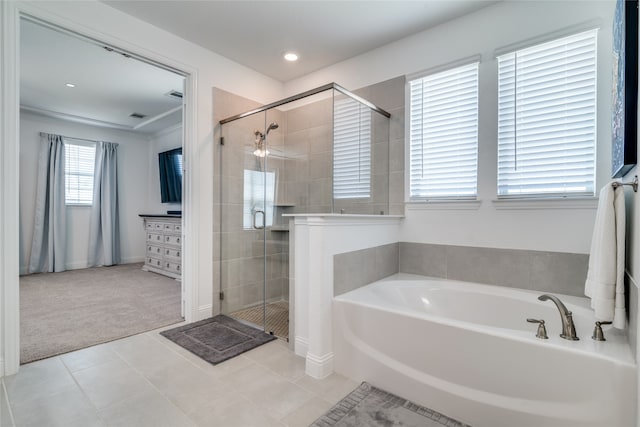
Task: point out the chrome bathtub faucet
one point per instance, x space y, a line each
568 328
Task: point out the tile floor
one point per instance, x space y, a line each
146 380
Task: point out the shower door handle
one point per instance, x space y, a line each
255 215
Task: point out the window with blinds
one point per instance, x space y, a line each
547 118
79 168
443 130
351 150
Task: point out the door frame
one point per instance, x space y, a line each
10 14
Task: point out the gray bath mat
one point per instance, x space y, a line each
369 406
218 338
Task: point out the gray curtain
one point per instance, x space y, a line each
104 232
49 242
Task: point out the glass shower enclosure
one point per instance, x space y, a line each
323 151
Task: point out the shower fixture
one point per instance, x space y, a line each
260 143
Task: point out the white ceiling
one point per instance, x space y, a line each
109 86
257 33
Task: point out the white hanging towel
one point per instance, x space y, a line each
605 277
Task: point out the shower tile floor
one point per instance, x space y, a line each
147 380
277 317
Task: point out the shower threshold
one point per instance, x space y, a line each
277 318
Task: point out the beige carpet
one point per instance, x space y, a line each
277 317
62 312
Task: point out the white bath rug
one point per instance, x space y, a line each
368 406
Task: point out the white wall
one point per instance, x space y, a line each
497 26
162 141
133 175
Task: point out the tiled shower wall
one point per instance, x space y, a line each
308 142
390 96
555 272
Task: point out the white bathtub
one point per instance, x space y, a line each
467 351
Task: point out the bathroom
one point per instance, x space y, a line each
465 234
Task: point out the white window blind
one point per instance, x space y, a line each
444 134
547 118
79 169
351 150
258 198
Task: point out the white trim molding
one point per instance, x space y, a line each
301 346
204 312
535 203
319 367
9 195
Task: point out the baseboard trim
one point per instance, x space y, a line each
319 367
205 312
301 346
132 260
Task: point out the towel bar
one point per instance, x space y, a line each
633 184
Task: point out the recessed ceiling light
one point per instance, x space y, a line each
70 85
290 56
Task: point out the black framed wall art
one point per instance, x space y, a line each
624 124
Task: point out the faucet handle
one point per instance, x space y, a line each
542 330
598 335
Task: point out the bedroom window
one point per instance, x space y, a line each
78 174
547 118
443 134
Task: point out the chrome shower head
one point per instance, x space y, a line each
273 125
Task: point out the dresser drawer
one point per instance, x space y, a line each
154 251
174 267
153 262
154 237
172 228
172 253
173 240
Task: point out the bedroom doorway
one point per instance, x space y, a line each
94 94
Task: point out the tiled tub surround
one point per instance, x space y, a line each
352 270
466 350
554 272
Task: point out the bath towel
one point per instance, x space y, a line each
605 277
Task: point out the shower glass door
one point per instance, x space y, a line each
251 251
244 218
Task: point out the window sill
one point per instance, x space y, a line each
77 205
557 203
444 205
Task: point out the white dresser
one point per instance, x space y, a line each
164 245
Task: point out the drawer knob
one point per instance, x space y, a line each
167 251
178 253
178 268
178 240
